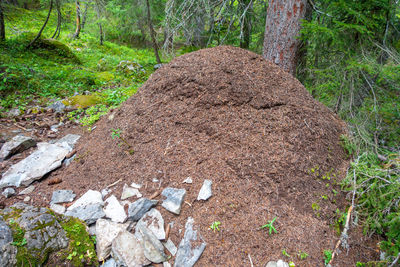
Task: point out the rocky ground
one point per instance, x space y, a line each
220 159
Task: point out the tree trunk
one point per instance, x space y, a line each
44 26
58 28
246 7
2 26
283 24
152 33
84 16
78 19
98 12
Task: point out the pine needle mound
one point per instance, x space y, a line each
228 115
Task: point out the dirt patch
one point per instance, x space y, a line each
227 115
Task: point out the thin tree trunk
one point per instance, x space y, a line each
84 16
152 33
44 26
58 28
283 24
2 26
99 23
78 19
246 7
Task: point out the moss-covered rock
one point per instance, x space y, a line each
82 101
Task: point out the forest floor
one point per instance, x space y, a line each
223 114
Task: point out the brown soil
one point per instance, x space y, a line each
227 115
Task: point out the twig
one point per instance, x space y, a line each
154 195
116 182
167 230
395 261
251 262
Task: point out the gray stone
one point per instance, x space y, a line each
153 248
57 208
153 221
89 213
205 191
90 197
7 251
279 263
47 158
70 139
138 208
128 251
128 192
27 190
109 263
8 192
173 199
188 180
170 246
16 145
114 210
62 196
27 199
15 112
43 232
57 106
157 66
190 248
106 232
105 192
135 185
68 161
166 264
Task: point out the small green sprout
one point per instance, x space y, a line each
284 253
302 255
327 256
215 225
270 226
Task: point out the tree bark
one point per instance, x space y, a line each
2 26
98 12
283 24
84 16
246 7
152 33
78 19
44 26
58 28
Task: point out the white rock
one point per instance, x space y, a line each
106 231
17 144
60 209
166 264
47 158
8 192
188 180
170 246
205 191
27 198
153 221
27 190
135 185
105 192
114 210
128 192
127 250
70 139
90 197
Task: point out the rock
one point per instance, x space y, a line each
279 263
135 185
188 181
90 197
68 161
15 112
128 192
205 191
27 199
157 66
57 106
43 232
62 196
170 246
190 248
106 232
8 192
153 248
153 221
70 139
173 199
89 213
129 67
166 264
16 145
27 190
138 208
57 208
47 158
105 192
109 263
114 210
8 252
128 251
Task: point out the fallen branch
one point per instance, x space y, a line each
116 182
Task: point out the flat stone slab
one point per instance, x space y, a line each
114 210
138 208
153 221
45 159
153 248
8 192
16 145
106 232
70 139
127 250
128 192
170 246
90 197
27 190
191 246
173 199
205 191
89 213
62 196
57 208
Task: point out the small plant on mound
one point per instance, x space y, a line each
116 134
215 225
327 256
270 226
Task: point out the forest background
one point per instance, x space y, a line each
348 59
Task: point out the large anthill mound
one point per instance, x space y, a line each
227 115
